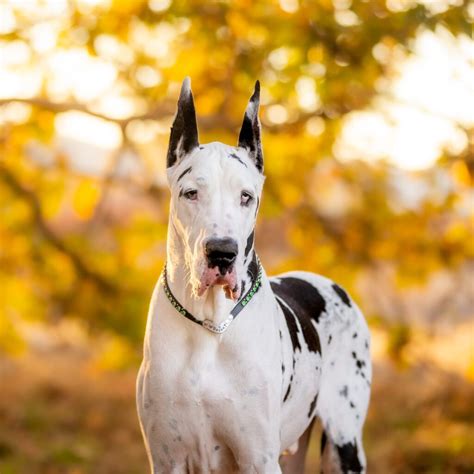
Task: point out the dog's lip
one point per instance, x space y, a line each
212 276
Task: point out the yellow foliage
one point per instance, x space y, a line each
11 341
115 353
85 198
460 173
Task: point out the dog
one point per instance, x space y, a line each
237 365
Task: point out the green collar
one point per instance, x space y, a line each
208 324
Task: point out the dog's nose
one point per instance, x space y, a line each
221 252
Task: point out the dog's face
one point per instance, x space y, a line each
215 195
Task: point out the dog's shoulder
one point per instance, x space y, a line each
306 288
313 296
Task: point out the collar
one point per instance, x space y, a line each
208 324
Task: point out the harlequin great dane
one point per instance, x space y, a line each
237 365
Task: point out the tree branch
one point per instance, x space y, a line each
59 107
29 197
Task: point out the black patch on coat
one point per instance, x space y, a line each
359 362
252 269
292 326
242 287
287 394
352 405
185 172
306 304
313 404
329 339
233 155
300 295
249 245
349 458
354 335
342 294
344 392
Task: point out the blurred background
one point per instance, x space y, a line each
368 114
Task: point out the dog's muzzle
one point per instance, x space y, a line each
221 254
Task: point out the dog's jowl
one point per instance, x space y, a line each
237 365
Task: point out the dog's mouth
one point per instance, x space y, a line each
227 277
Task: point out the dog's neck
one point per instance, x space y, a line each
213 305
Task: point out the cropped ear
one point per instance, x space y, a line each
184 133
249 137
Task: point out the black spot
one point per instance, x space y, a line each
349 458
342 294
366 344
352 405
252 269
329 339
249 245
216 448
313 404
354 335
344 392
233 155
292 326
282 369
359 363
185 172
285 398
201 147
304 306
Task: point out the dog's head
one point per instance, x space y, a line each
215 195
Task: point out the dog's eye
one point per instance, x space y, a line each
192 194
245 198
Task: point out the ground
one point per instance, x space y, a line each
59 414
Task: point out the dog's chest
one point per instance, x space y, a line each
204 395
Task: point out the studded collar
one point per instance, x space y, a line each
208 324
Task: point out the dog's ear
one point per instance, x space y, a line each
184 132
249 137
